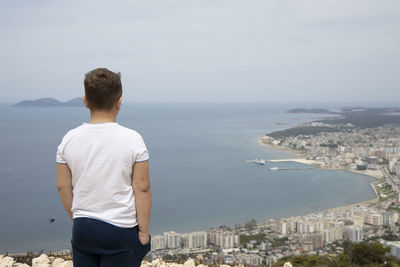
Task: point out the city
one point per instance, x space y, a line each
370 151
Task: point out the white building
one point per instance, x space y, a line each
194 240
249 259
172 239
394 248
283 228
158 242
390 218
229 240
373 218
223 239
353 233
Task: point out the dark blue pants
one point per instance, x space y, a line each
97 243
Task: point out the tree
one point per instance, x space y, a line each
250 225
367 253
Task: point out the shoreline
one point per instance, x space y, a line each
367 203
296 154
299 158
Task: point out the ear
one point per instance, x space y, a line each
118 105
85 101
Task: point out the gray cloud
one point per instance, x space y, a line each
221 50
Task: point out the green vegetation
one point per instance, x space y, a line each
393 209
355 254
278 242
177 258
367 118
360 117
307 130
329 145
246 238
250 225
385 191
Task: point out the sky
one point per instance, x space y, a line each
204 50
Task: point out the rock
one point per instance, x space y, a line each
146 264
6 261
57 262
41 261
201 265
224 265
51 259
155 262
175 265
67 264
158 263
189 263
287 264
20 265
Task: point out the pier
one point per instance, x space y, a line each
289 169
302 161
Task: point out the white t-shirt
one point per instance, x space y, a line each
100 157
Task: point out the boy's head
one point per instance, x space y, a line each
103 89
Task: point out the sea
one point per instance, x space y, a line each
199 177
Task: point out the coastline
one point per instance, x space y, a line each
367 203
296 154
299 158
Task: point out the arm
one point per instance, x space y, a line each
141 189
64 186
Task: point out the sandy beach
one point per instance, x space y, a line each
295 153
299 157
362 203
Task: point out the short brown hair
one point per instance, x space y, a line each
103 88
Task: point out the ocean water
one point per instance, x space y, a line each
198 175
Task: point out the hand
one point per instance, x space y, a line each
144 238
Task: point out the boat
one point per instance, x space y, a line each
274 169
259 161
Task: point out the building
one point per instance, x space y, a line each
317 242
390 218
249 259
158 242
229 240
194 240
172 239
353 233
394 248
373 218
283 228
223 239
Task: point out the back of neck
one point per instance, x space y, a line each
102 116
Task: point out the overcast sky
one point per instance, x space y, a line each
204 50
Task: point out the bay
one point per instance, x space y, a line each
198 175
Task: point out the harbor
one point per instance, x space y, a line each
289 169
302 161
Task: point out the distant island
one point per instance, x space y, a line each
50 102
311 110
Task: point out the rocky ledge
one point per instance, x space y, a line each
50 261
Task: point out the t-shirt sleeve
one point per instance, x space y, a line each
140 151
59 155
